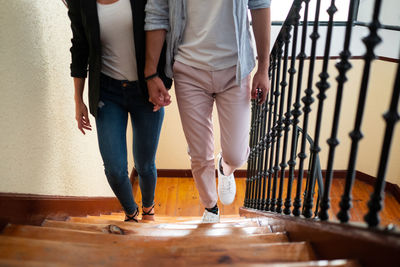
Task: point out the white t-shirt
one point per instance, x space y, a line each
209 40
117 40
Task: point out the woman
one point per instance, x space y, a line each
109 38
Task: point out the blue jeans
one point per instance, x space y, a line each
117 99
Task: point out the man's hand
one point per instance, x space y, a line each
82 116
158 94
262 31
261 84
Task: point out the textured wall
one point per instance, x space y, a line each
42 152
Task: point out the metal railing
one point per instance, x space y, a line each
277 122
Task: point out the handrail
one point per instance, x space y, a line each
342 24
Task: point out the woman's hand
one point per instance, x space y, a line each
82 116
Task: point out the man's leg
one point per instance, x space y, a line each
233 106
195 103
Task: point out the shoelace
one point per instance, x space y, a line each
226 185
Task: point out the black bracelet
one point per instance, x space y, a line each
151 76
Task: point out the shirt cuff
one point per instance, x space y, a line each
257 4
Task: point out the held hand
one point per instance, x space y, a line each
82 117
261 84
158 94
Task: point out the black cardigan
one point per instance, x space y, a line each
86 46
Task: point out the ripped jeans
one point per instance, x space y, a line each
117 99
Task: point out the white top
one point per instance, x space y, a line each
209 40
117 41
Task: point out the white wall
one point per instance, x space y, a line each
41 150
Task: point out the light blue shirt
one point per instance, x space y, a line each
170 15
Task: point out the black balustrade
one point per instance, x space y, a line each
275 131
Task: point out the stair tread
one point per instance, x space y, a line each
224 216
318 263
161 225
83 253
105 227
73 235
102 220
36 263
131 229
325 263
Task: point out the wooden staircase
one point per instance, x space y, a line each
106 240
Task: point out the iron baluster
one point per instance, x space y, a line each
284 120
292 71
254 173
296 112
343 67
249 161
261 155
322 85
277 125
391 117
253 155
274 88
356 135
268 138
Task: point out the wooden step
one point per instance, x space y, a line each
57 234
320 263
102 220
24 263
252 223
121 216
224 216
248 231
83 254
130 227
324 263
106 228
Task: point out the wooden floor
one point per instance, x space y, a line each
179 197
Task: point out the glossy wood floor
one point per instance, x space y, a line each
179 197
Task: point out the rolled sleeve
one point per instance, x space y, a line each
157 15
257 4
80 47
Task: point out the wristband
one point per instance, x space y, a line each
151 77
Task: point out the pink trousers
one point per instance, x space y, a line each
196 90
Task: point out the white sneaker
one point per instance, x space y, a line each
226 185
209 217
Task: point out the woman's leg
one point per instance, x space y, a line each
111 125
146 127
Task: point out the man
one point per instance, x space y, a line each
209 54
